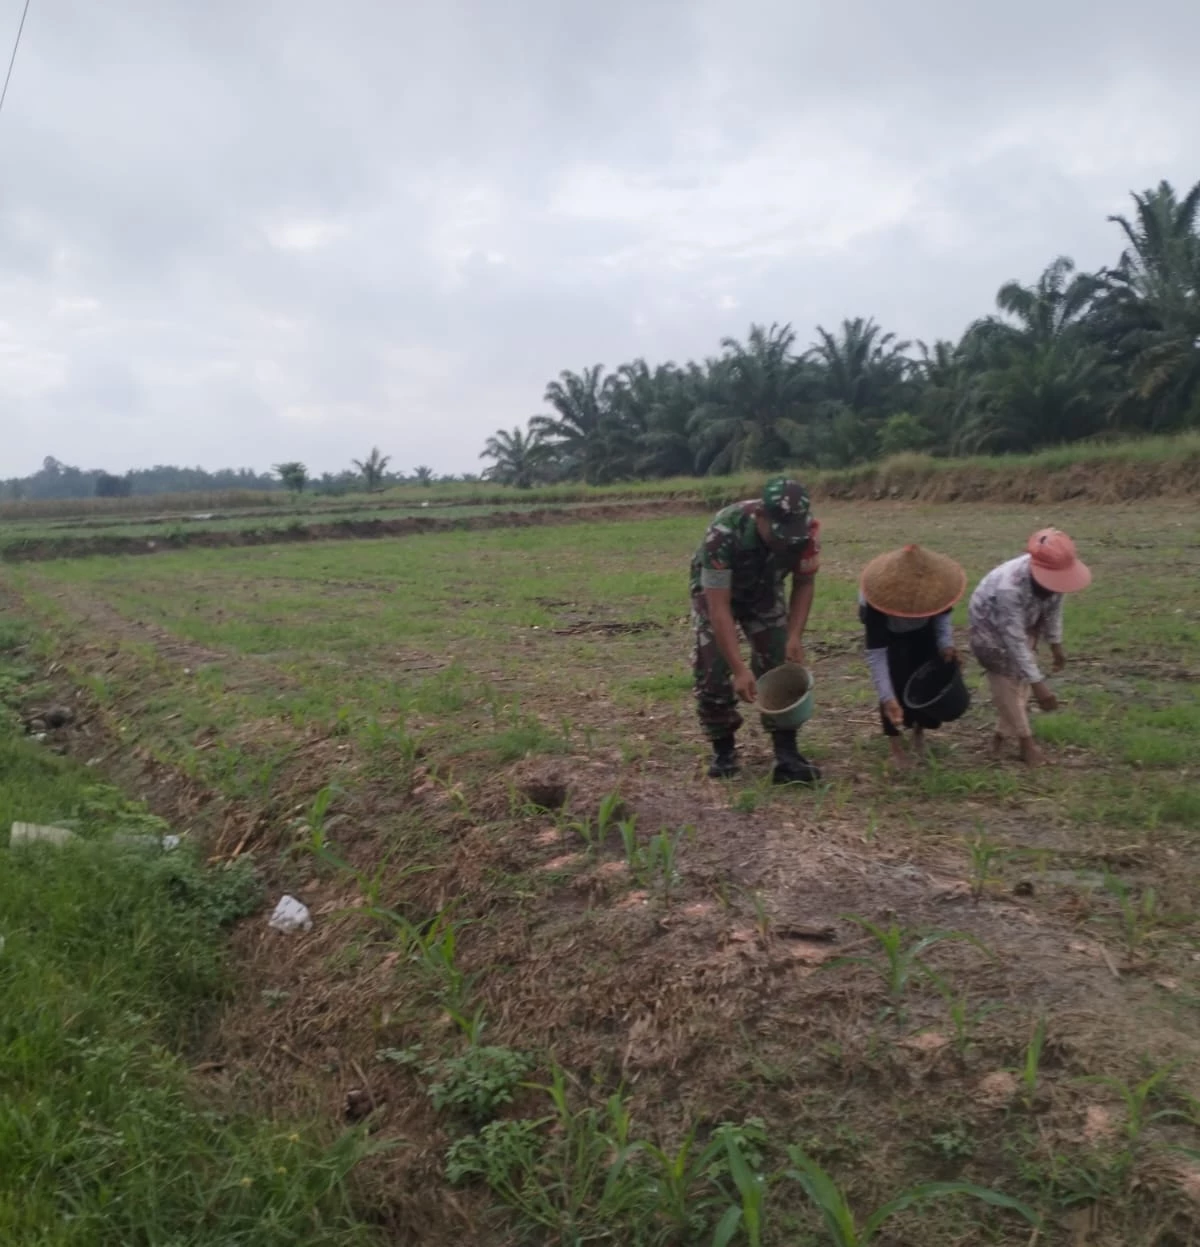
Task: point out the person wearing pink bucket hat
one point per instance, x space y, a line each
1015 606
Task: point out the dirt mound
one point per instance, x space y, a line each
930 480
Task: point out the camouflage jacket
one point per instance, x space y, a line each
733 556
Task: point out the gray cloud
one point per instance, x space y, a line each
231 234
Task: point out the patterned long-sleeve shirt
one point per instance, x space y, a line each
1005 613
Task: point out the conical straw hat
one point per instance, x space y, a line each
912 583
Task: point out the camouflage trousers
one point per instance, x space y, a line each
765 628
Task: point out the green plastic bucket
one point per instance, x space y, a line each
785 695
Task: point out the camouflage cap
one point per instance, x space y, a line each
786 504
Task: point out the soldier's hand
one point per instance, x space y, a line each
950 655
745 685
795 650
1060 658
895 715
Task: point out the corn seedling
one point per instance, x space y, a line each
984 855
763 922
964 1018
436 949
1136 1099
635 857
1031 1064
1140 915
607 815
843 1229
370 884
472 1027
453 791
901 956
661 855
401 929
315 826
585 829
750 1213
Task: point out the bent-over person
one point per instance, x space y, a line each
1015 607
905 599
737 580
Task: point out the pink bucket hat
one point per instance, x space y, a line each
1054 563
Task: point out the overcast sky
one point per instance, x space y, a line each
239 231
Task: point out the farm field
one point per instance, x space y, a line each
1150 468
39 540
474 757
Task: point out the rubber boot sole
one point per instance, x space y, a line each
791 775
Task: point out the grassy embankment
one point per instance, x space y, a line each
113 963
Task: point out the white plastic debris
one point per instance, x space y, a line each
146 841
291 915
34 833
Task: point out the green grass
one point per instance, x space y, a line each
112 961
452 637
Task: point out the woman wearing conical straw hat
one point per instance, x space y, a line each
1015 606
904 602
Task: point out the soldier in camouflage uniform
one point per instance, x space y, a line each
737 580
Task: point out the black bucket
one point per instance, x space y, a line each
938 690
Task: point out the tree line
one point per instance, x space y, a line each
56 479
1073 356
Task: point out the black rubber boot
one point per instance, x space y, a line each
724 764
791 767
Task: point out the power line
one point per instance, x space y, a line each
12 60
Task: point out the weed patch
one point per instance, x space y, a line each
111 964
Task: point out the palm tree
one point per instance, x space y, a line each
649 414
1050 309
1053 392
864 369
584 430
947 387
372 468
423 475
1159 265
754 413
862 376
1149 316
1039 376
521 458
665 447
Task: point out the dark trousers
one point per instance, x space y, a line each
907 653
